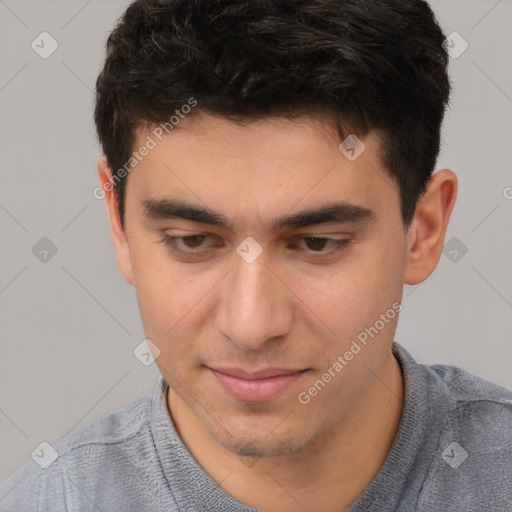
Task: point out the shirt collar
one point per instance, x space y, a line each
420 423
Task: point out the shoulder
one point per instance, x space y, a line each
477 410
471 466
47 480
473 399
467 386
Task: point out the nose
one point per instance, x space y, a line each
255 304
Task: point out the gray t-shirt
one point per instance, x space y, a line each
452 453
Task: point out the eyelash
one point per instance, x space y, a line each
172 245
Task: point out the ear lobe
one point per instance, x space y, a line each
428 230
118 233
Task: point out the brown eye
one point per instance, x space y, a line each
183 245
195 240
316 244
318 247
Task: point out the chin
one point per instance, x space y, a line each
256 443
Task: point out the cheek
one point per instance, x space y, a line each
381 273
175 306
361 286
164 291
351 300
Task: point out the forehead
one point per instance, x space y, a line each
266 165
205 137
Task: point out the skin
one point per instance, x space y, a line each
288 308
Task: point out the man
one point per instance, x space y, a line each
268 175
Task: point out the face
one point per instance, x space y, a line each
248 313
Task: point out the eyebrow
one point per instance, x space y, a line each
339 212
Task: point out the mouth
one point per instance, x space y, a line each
260 386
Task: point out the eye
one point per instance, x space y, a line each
184 244
317 244
194 245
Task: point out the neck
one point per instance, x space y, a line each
328 475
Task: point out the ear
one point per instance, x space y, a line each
116 229
428 229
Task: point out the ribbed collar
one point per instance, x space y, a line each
398 481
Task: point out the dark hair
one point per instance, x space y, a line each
371 63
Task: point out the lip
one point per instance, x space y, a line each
259 386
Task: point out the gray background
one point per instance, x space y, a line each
69 325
